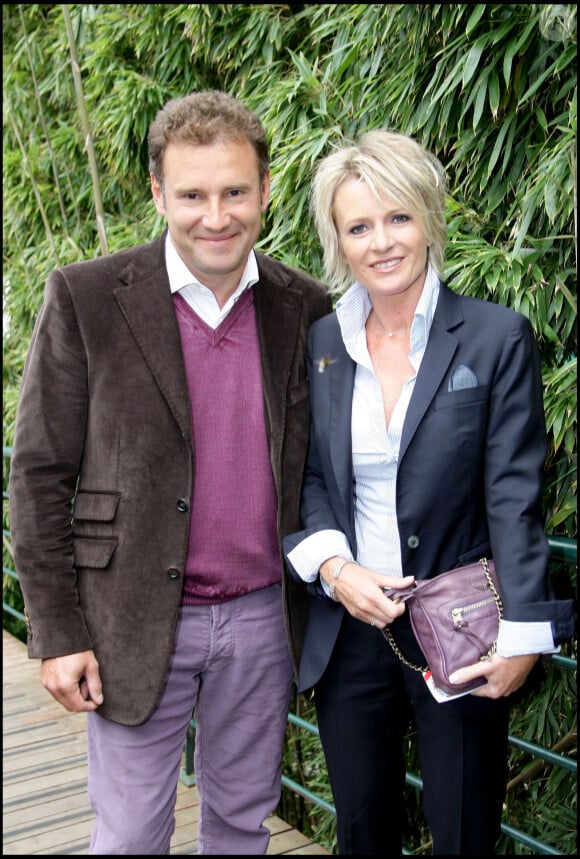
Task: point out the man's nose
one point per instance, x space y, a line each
216 216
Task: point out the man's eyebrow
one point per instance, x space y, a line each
193 189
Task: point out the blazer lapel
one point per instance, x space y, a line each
340 427
441 347
332 405
147 305
278 312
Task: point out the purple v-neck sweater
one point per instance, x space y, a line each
233 544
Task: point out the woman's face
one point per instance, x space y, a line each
384 247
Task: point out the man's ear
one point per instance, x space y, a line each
265 191
158 195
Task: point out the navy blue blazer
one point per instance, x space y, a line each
469 480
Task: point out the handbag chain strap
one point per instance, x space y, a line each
389 635
498 603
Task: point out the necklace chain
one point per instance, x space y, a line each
395 330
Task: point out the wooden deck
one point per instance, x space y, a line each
45 803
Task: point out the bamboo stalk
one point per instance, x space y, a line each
33 182
567 742
86 133
41 117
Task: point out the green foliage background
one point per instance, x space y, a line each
490 88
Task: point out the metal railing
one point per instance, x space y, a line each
562 548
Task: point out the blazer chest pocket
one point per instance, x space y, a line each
91 512
464 397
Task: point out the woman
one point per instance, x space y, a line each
427 448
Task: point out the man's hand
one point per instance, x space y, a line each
74 681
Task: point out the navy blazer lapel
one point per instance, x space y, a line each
441 347
341 427
145 299
341 370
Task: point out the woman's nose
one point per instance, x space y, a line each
381 237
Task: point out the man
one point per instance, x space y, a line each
157 462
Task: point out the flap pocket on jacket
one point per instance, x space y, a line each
96 506
93 551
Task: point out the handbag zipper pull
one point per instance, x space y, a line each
457 613
457 616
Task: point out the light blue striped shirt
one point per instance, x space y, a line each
375 449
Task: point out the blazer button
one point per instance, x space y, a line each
173 573
413 541
182 505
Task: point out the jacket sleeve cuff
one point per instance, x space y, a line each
310 553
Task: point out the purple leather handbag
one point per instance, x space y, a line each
455 619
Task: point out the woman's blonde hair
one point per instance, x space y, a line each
394 166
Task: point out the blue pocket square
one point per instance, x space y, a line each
461 378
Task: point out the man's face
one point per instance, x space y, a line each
213 201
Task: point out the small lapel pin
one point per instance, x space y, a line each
325 362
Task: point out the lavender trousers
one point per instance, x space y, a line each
231 665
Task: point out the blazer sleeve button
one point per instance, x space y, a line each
182 505
413 541
173 573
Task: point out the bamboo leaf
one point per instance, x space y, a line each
494 93
510 51
472 62
474 18
479 101
499 144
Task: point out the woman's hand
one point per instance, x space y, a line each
360 590
504 675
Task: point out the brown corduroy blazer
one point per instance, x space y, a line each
103 463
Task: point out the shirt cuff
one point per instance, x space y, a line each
517 638
308 556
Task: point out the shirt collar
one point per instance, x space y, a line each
180 276
353 308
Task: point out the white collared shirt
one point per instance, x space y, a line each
199 297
